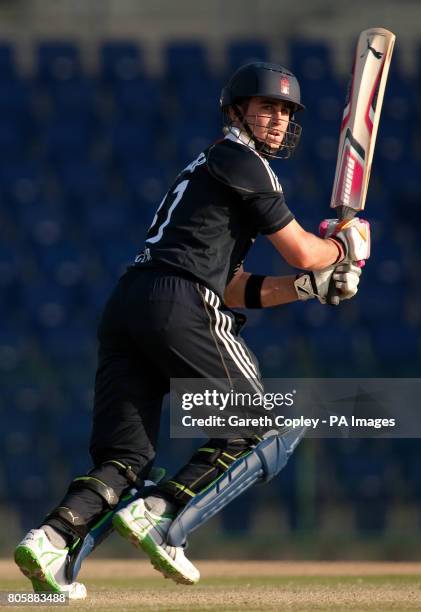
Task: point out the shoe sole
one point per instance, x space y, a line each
159 559
29 565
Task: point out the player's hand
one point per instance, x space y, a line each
353 236
345 276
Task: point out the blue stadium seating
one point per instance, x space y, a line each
134 138
49 304
108 218
58 61
15 98
117 254
120 61
14 141
311 60
8 68
148 184
67 138
86 159
81 180
199 101
76 99
21 179
185 62
141 100
244 51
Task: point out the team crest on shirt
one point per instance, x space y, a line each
284 83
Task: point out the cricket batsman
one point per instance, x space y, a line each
170 316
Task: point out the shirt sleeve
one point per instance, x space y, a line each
252 179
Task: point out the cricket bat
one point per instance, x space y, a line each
359 125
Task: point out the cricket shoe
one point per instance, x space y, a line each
147 530
44 564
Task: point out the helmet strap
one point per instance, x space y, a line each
239 114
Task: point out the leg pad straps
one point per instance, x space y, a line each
264 461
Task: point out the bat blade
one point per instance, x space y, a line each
361 120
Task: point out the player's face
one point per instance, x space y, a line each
268 119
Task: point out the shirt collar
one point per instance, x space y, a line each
237 135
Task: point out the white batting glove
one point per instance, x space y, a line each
346 277
353 237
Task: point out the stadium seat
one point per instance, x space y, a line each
120 61
76 99
11 264
14 342
8 68
245 51
185 62
398 349
21 179
148 183
140 99
311 60
117 254
72 344
200 102
191 138
48 304
67 138
43 223
95 294
81 180
64 261
14 140
58 61
393 142
133 139
107 219
15 98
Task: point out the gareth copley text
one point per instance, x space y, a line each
271 420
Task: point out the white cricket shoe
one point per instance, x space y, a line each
44 565
147 530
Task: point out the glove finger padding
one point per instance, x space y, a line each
345 276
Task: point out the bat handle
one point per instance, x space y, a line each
333 295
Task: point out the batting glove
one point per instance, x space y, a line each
345 276
352 235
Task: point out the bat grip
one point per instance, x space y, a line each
333 294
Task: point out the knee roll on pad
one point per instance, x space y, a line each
264 461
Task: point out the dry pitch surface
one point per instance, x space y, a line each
252 585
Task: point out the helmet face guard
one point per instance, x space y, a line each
262 80
245 126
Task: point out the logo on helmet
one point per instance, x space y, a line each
284 82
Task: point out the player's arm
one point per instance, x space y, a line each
346 241
247 290
274 290
304 250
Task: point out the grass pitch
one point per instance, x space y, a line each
252 585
